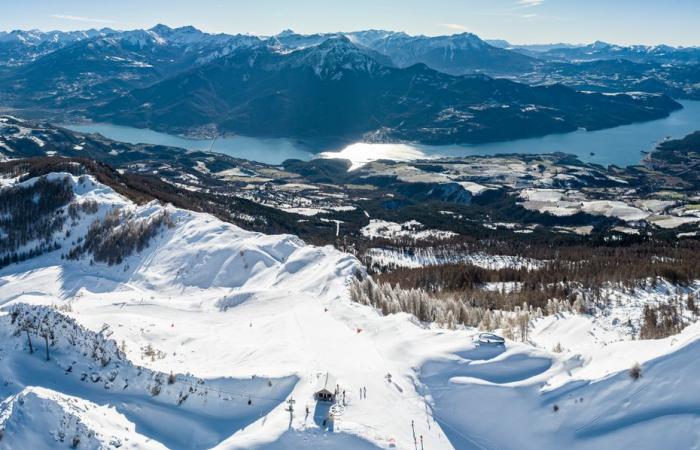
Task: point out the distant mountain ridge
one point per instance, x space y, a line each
455 54
375 84
406 48
385 41
660 54
338 90
19 47
103 64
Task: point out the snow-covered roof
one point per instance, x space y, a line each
326 382
490 338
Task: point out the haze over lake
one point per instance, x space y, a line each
622 146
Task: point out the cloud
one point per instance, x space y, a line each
515 15
529 3
81 19
454 26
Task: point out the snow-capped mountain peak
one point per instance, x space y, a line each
286 32
186 35
600 45
161 29
335 56
467 40
38 37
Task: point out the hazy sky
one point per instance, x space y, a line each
673 22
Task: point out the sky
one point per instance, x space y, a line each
673 22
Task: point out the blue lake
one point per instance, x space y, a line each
621 146
270 151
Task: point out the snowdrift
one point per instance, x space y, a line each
513 391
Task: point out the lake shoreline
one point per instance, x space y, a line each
621 146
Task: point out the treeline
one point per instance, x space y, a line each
143 188
29 216
666 319
513 320
561 274
118 235
19 256
636 252
448 311
87 207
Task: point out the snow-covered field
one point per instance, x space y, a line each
412 230
559 202
207 337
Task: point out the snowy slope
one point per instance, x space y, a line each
239 323
513 390
41 418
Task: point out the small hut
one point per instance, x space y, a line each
326 388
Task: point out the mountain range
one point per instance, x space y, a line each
662 54
338 90
454 54
450 53
374 84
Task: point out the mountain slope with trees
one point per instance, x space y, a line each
338 90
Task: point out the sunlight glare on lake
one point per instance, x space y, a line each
360 153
